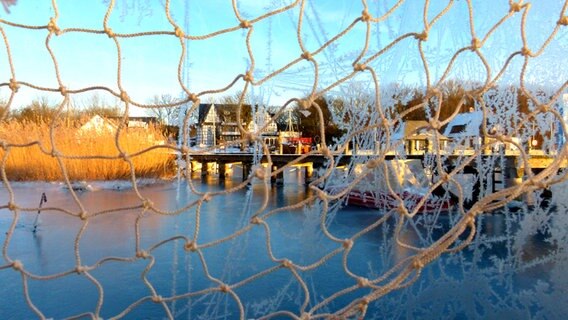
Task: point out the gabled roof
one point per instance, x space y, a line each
465 125
146 119
225 112
98 124
413 129
407 128
203 111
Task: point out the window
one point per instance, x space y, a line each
458 129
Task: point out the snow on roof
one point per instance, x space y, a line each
465 125
99 125
413 129
406 128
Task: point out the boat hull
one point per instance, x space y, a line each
387 201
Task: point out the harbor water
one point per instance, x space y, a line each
515 268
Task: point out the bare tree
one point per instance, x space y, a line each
91 106
234 98
309 120
167 115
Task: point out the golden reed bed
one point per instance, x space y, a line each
32 163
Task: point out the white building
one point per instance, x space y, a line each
218 124
466 127
417 137
98 125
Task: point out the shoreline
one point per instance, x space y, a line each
90 185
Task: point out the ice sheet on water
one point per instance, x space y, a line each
110 185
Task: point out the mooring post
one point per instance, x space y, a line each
246 170
273 176
308 173
311 172
513 176
222 170
204 169
280 177
476 191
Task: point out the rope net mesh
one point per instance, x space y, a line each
373 113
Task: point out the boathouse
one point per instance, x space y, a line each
217 124
417 136
466 129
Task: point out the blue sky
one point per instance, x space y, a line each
150 63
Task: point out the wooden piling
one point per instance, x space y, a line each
308 173
204 169
246 170
222 170
272 176
280 178
512 176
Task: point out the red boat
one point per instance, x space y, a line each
407 180
387 201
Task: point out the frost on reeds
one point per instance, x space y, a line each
86 154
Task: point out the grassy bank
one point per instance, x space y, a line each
30 163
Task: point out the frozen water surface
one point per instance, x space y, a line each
514 268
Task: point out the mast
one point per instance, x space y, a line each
289 124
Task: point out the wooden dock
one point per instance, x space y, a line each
508 169
309 162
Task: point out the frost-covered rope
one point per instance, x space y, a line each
400 274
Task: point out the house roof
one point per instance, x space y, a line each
415 129
134 118
203 111
98 123
225 112
465 125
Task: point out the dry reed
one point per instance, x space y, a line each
32 163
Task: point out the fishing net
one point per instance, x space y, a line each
434 115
